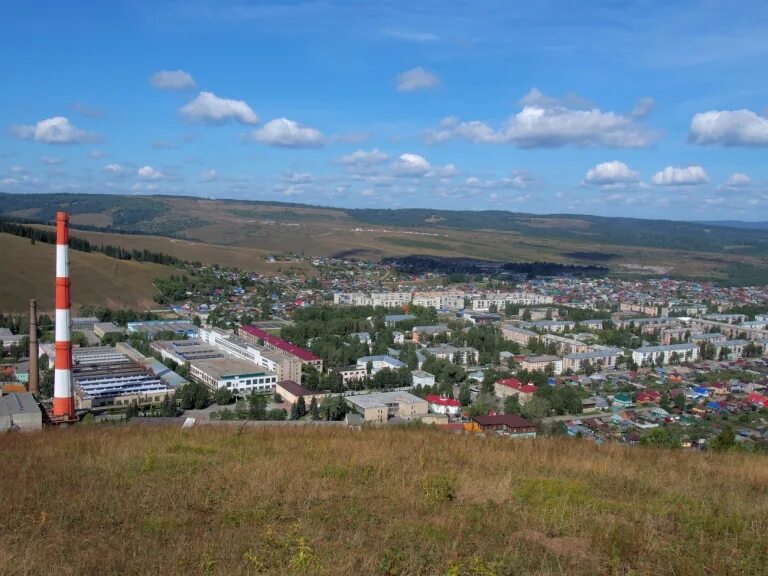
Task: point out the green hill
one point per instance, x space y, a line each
628 246
306 500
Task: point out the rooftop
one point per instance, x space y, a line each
223 368
18 403
284 345
383 399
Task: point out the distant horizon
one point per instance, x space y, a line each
339 207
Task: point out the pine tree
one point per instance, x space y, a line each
295 411
301 407
314 411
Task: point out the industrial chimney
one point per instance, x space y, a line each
63 398
34 373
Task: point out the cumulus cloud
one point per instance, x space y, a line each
89 111
362 162
149 173
208 107
643 107
209 176
546 122
517 181
116 169
361 157
298 177
729 128
416 79
172 80
96 154
51 160
611 174
416 166
288 134
736 181
56 130
673 176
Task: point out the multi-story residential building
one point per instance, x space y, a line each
439 300
542 363
726 318
651 354
500 299
379 363
556 326
708 338
598 359
419 332
596 324
390 299
517 334
565 345
513 387
647 308
464 355
735 348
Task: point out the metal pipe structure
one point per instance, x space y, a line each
34 372
63 397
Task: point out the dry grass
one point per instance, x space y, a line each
333 501
29 271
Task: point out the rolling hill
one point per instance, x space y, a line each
629 247
314 501
28 271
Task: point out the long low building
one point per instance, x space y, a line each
240 377
20 411
379 407
668 354
290 391
152 328
263 338
597 359
517 334
105 378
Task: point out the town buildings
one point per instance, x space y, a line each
379 407
241 377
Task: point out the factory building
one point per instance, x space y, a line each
105 378
262 338
183 351
151 328
241 377
19 411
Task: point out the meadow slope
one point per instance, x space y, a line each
160 500
29 270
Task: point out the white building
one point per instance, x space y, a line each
651 354
379 363
422 378
238 376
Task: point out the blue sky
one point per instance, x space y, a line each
649 109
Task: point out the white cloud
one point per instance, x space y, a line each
409 36
209 176
172 80
416 166
142 187
114 169
363 158
362 162
149 173
729 128
517 181
643 107
56 130
416 79
96 154
673 176
298 177
89 111
288 134
611 173
51 160
735 181
208 107
18 170
546 122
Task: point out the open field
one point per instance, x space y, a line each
29 270
251 230
158 500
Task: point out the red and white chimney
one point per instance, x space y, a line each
63 398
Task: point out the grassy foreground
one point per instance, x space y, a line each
332 501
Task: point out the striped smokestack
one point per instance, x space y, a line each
34 373
63 399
